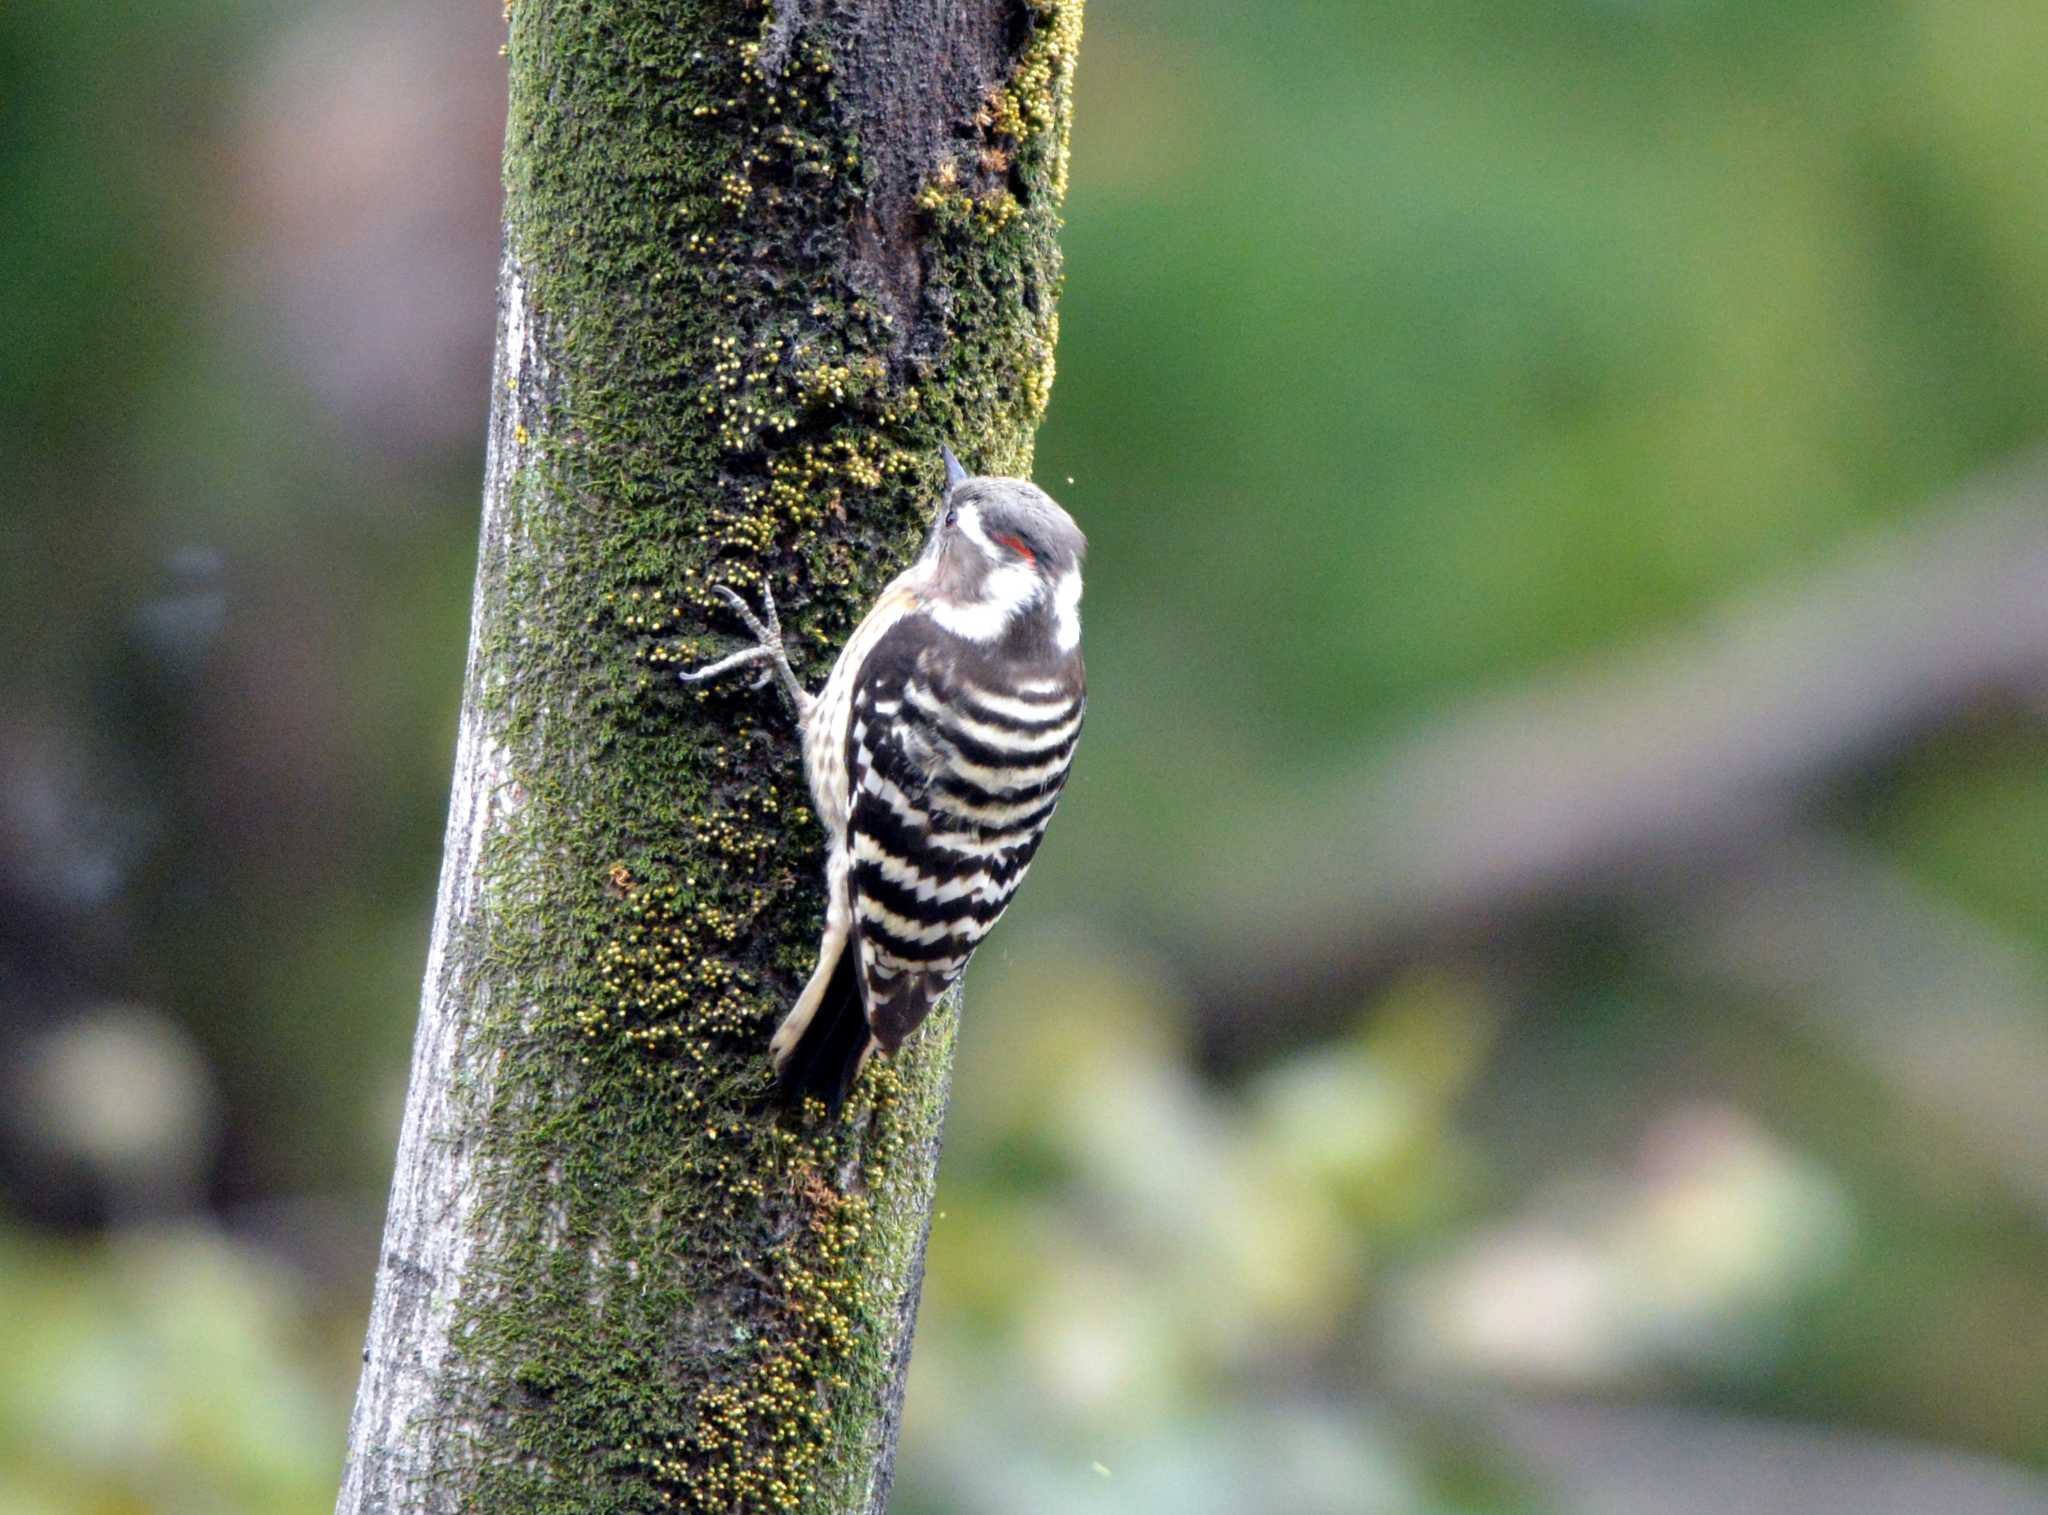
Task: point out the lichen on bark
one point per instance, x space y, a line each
760 263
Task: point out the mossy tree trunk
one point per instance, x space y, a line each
759 263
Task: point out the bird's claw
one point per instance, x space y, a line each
767 648
766 627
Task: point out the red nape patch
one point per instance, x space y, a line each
1016 545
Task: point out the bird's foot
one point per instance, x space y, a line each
767 648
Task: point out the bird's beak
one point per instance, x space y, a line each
955 474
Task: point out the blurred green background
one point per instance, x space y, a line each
1539 998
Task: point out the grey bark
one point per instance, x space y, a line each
431 1227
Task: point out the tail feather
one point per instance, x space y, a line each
828 1055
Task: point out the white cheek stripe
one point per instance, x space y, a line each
1006 592
970 525
1066 611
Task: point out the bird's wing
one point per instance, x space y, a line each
954 773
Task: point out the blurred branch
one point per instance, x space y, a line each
1634 772
1944 1011
1612 1460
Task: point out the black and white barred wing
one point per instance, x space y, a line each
955 774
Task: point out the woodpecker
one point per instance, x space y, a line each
935 753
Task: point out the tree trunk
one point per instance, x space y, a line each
759 264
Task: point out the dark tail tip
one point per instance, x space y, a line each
827 1056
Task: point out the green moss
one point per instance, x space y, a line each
688 1297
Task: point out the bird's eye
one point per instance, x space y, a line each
952 518
1016 545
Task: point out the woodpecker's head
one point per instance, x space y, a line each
1004 560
